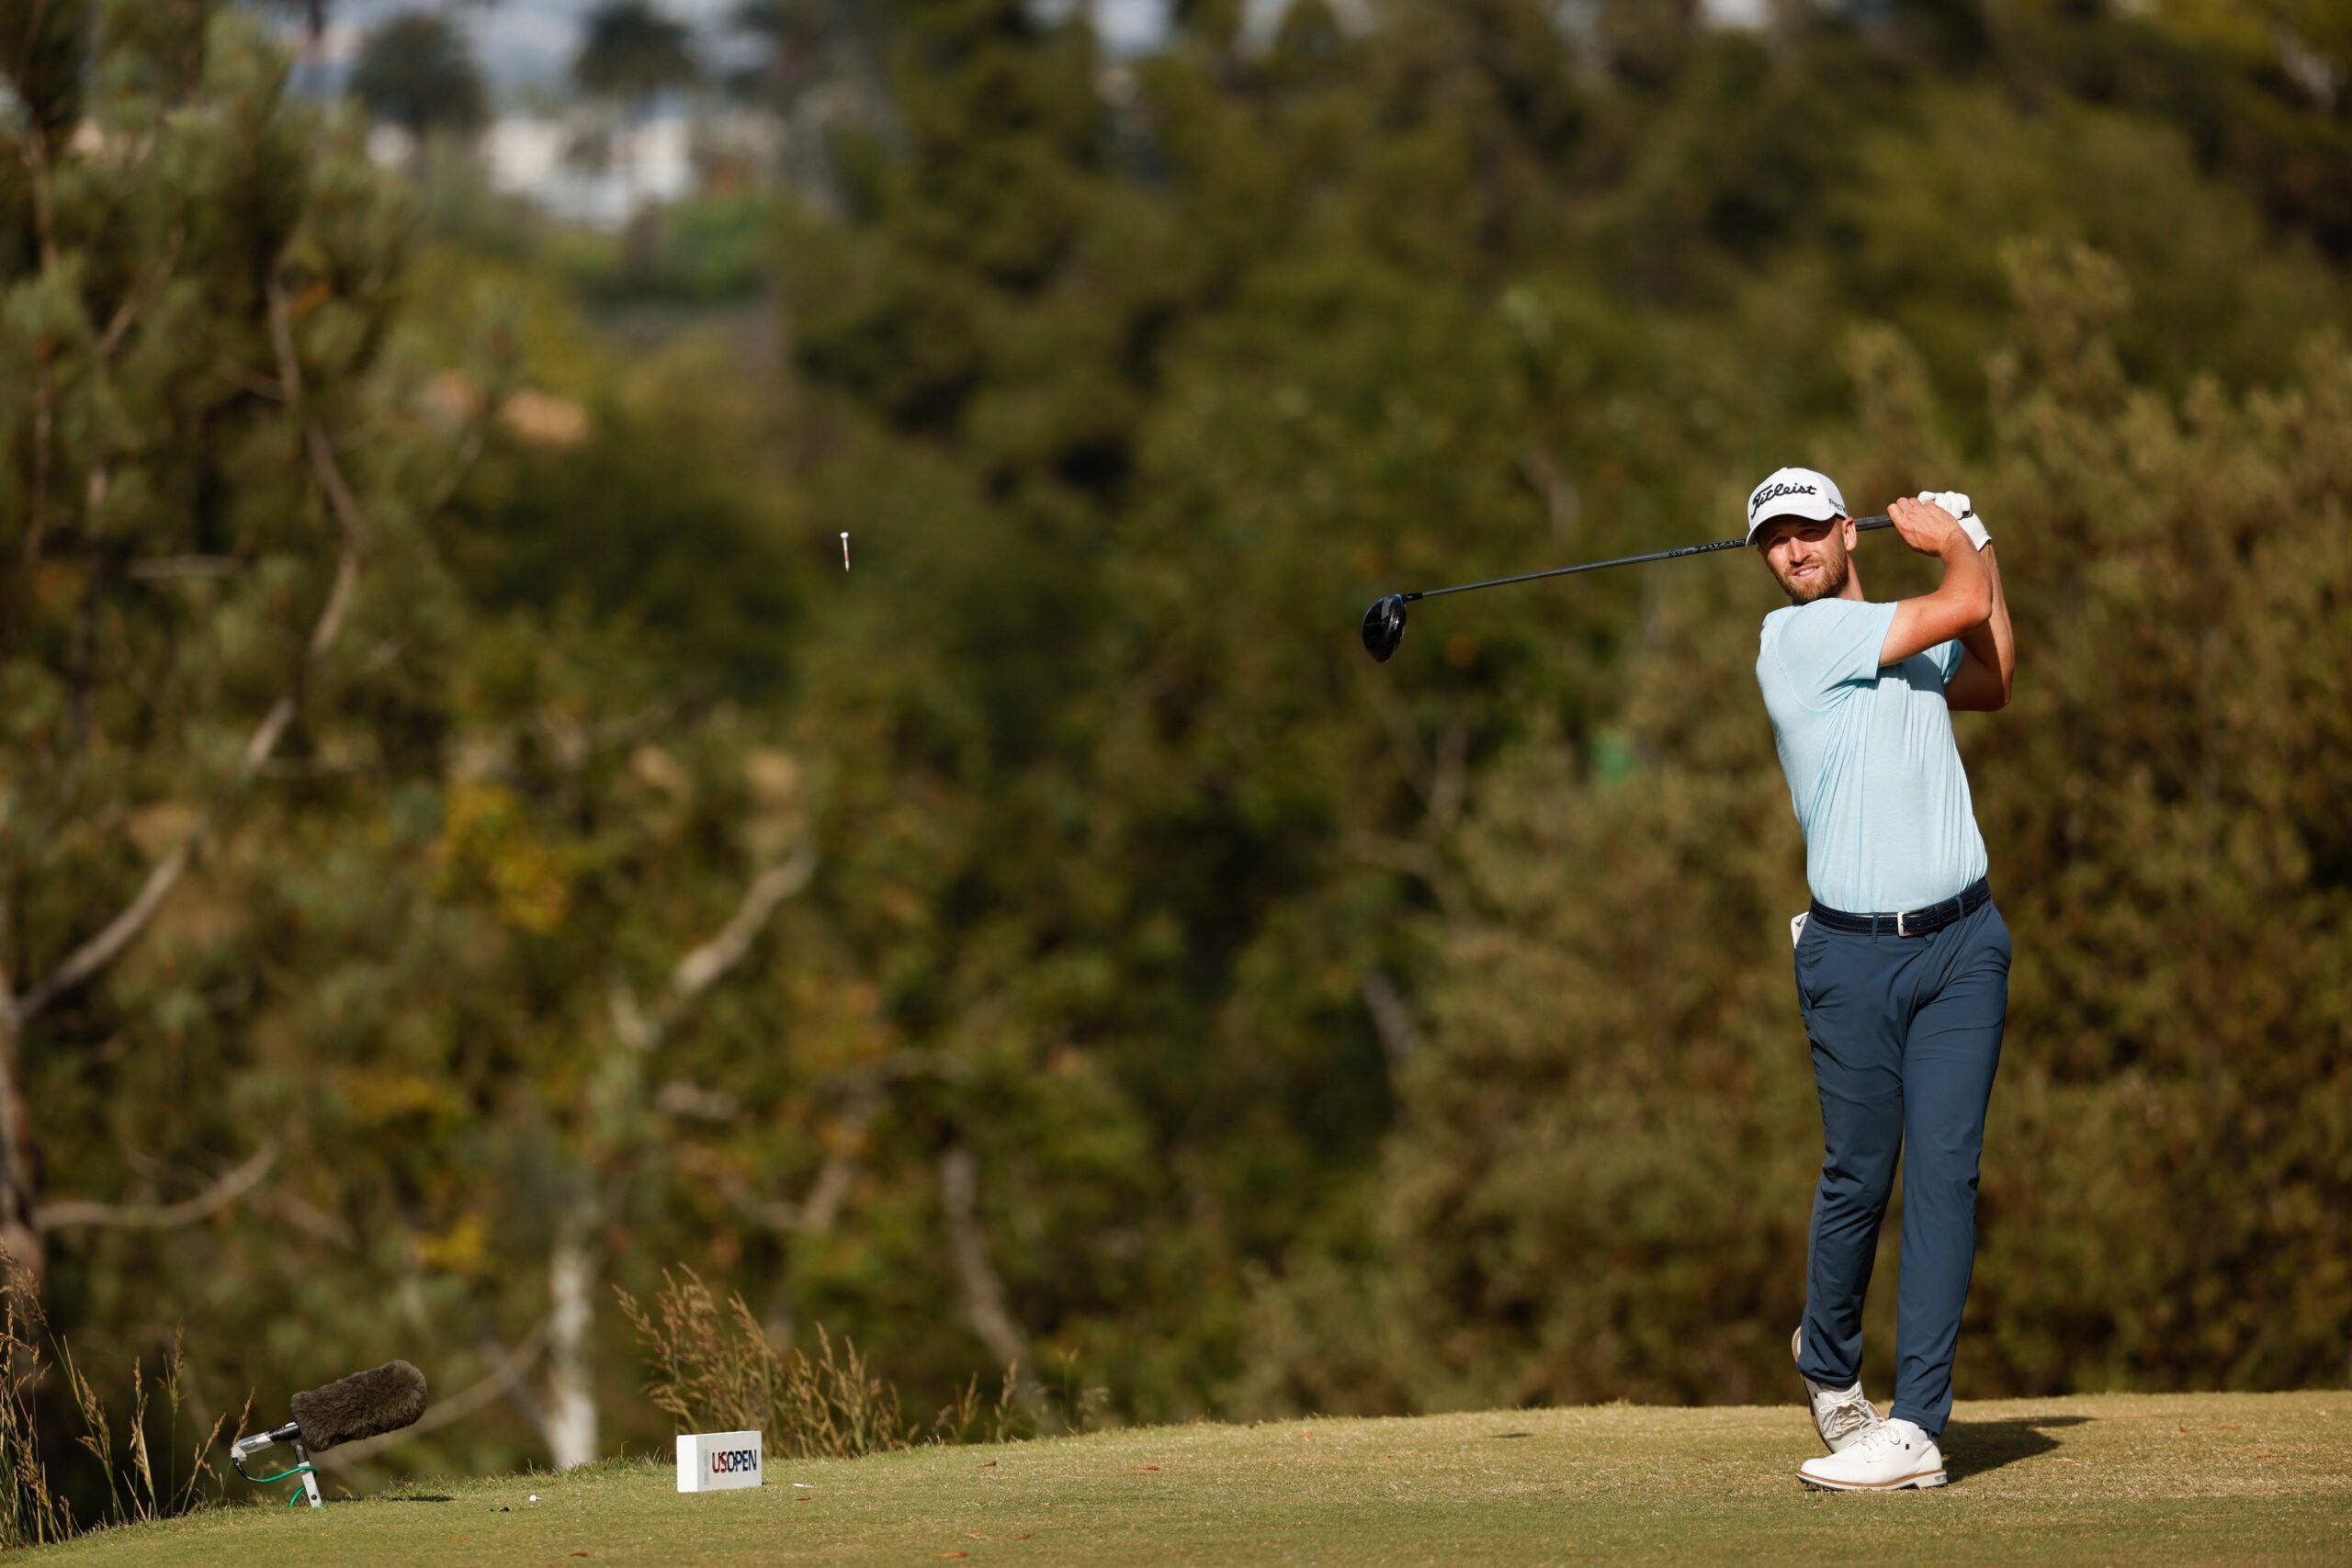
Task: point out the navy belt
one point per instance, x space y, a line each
1908 922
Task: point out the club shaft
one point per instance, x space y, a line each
1881 520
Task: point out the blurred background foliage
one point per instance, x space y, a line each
467 845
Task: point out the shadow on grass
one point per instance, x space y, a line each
1977 1448
416 1497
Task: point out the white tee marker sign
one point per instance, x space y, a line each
719 1462
844 549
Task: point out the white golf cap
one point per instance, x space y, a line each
1793 493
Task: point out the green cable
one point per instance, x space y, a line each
296 1494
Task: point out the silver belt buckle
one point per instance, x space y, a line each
1900 916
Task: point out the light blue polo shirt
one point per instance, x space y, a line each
1871 767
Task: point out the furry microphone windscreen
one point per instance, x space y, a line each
383 1399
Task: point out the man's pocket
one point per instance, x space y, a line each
1796 940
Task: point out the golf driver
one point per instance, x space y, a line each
1383 624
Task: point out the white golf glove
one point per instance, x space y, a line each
1955 502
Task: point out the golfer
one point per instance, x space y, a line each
1902 962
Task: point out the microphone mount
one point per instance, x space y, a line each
290 1433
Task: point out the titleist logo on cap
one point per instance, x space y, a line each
1801 493
1774 492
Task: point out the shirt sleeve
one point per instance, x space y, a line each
1947 656
1833 642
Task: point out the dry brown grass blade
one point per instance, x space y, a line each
714 1369
32 1510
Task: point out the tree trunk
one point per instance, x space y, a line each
571 1427
984 1295
19 1165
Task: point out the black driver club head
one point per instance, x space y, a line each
1384 627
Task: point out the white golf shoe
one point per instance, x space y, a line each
1840 1414
1889 1457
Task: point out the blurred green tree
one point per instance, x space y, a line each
416 70
195 303
631 50
630 53
818 69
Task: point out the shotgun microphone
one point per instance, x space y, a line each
364 1405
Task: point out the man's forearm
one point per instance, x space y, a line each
1968 578
1992 642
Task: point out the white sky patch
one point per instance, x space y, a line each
339 45
1130 27
515 45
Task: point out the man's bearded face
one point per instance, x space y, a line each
1808 558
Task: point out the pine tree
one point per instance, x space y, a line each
198 281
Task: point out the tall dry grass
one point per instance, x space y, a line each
716 1370
34 1509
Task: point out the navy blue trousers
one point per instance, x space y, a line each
1907 1032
